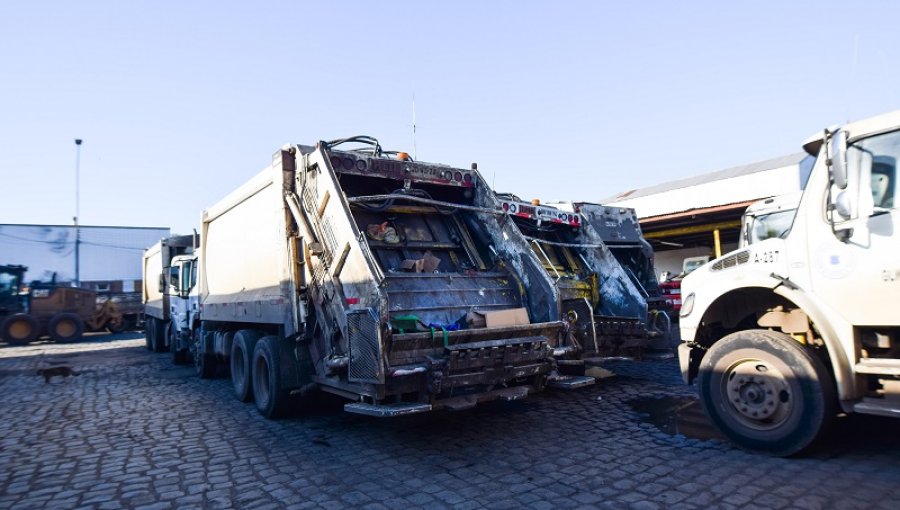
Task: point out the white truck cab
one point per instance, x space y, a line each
784 333
184 306
767 218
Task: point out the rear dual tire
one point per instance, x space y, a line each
272 399
256 373
240 363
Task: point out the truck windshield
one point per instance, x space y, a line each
766 226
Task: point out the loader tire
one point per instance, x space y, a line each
65 327
241 358
19 328
272 399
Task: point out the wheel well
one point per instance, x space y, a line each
736 310
758 308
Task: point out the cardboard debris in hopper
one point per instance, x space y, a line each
427 264
497 318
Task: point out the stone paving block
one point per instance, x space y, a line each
139 432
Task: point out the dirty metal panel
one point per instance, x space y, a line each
360 164
365 347
446 298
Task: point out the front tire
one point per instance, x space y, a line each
766 392
179 354
204 362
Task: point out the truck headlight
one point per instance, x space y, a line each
687 305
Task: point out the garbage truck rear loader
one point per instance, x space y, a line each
390 282
785 332
619 230
606 310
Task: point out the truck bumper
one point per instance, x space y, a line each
684 362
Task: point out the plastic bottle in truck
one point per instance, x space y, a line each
387 281
785 333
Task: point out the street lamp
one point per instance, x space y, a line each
77 211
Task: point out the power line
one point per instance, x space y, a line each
66 242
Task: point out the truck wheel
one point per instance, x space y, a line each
65 327
157 337
272 401
179 354
19 328
241 356
766 392
204 361
148 338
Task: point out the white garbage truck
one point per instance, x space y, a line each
169 295
783 334
398 284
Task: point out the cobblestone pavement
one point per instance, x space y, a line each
132 430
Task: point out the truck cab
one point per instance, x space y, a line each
784 333
184 306
767 218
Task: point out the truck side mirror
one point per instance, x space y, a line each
838 158
843 205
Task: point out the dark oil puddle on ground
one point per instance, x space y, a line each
676 415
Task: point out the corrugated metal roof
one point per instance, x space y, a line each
741 206
761 166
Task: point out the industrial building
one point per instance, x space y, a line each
701 215
108 258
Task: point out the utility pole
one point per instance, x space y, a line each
77 212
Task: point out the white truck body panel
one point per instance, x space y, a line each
155 302
245 272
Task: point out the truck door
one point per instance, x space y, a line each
861 276
180 281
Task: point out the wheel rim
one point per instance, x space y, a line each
66 328
759 395
261 378
20 330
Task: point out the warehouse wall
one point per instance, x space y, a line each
106 253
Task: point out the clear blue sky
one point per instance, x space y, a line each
178 102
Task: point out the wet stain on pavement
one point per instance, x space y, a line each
677 415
